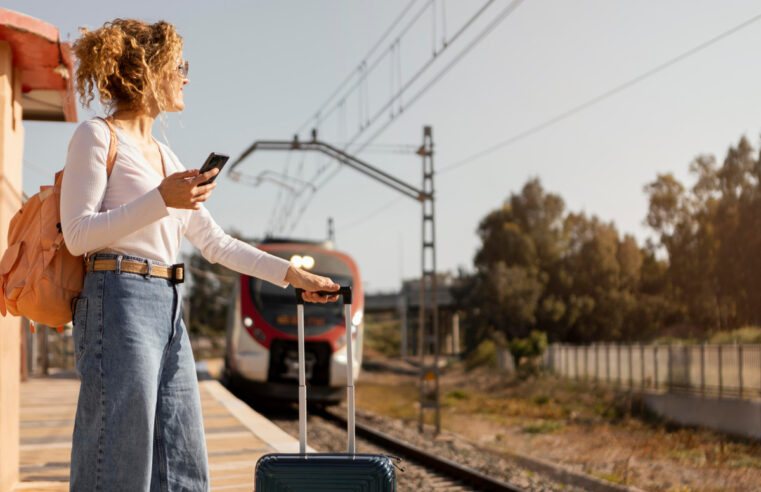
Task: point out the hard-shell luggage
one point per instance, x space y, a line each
325 471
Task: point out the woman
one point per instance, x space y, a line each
139 425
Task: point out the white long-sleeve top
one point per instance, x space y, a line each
126 214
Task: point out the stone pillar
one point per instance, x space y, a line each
401 306
456 333
11 147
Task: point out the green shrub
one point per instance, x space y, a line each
672 340
542 427
383 335
458 394
526 351
746 334
541 399
485 355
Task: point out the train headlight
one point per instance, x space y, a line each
306 262
357 318
248 322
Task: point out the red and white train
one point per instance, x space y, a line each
261 352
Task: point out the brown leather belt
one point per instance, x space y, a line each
175 273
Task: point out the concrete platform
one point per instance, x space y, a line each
236 435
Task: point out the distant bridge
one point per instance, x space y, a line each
388 302
405 305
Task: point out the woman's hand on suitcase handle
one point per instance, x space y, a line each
181 190
311 283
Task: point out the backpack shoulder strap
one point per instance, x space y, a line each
112 148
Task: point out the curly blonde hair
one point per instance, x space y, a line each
126 61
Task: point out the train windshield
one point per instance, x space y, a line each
278 307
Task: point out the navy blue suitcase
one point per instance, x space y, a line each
325 471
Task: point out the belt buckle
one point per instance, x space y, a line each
176 279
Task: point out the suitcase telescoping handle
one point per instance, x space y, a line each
345 292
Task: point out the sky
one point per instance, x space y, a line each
261 69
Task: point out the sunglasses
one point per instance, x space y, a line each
183 68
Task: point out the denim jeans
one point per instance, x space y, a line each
138 425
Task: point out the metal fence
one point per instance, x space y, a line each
47 348
723 370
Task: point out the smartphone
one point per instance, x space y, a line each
214 160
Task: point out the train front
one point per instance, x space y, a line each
262 351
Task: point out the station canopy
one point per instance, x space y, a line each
45 64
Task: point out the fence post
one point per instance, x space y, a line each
586 361
721 382
618 362
740 366
703 369
655 365
668 363
607 363
642 365
567 361
576 362
597 363
631 368
686 368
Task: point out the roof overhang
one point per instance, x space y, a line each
45 65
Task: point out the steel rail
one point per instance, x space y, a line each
438 463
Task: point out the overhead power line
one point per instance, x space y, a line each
37 168
474 42
480 37
397 96
317 115
572 111
281 214
372 214
598 99
366 121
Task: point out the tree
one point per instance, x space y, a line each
210 296
568 275
519 240
210 293
711 234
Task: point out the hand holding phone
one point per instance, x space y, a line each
180 189
214 160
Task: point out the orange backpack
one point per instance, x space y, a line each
38 277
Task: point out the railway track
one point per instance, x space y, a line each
427 464
441 473
417 469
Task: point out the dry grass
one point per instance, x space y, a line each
592 429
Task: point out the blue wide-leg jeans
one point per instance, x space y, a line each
138 425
